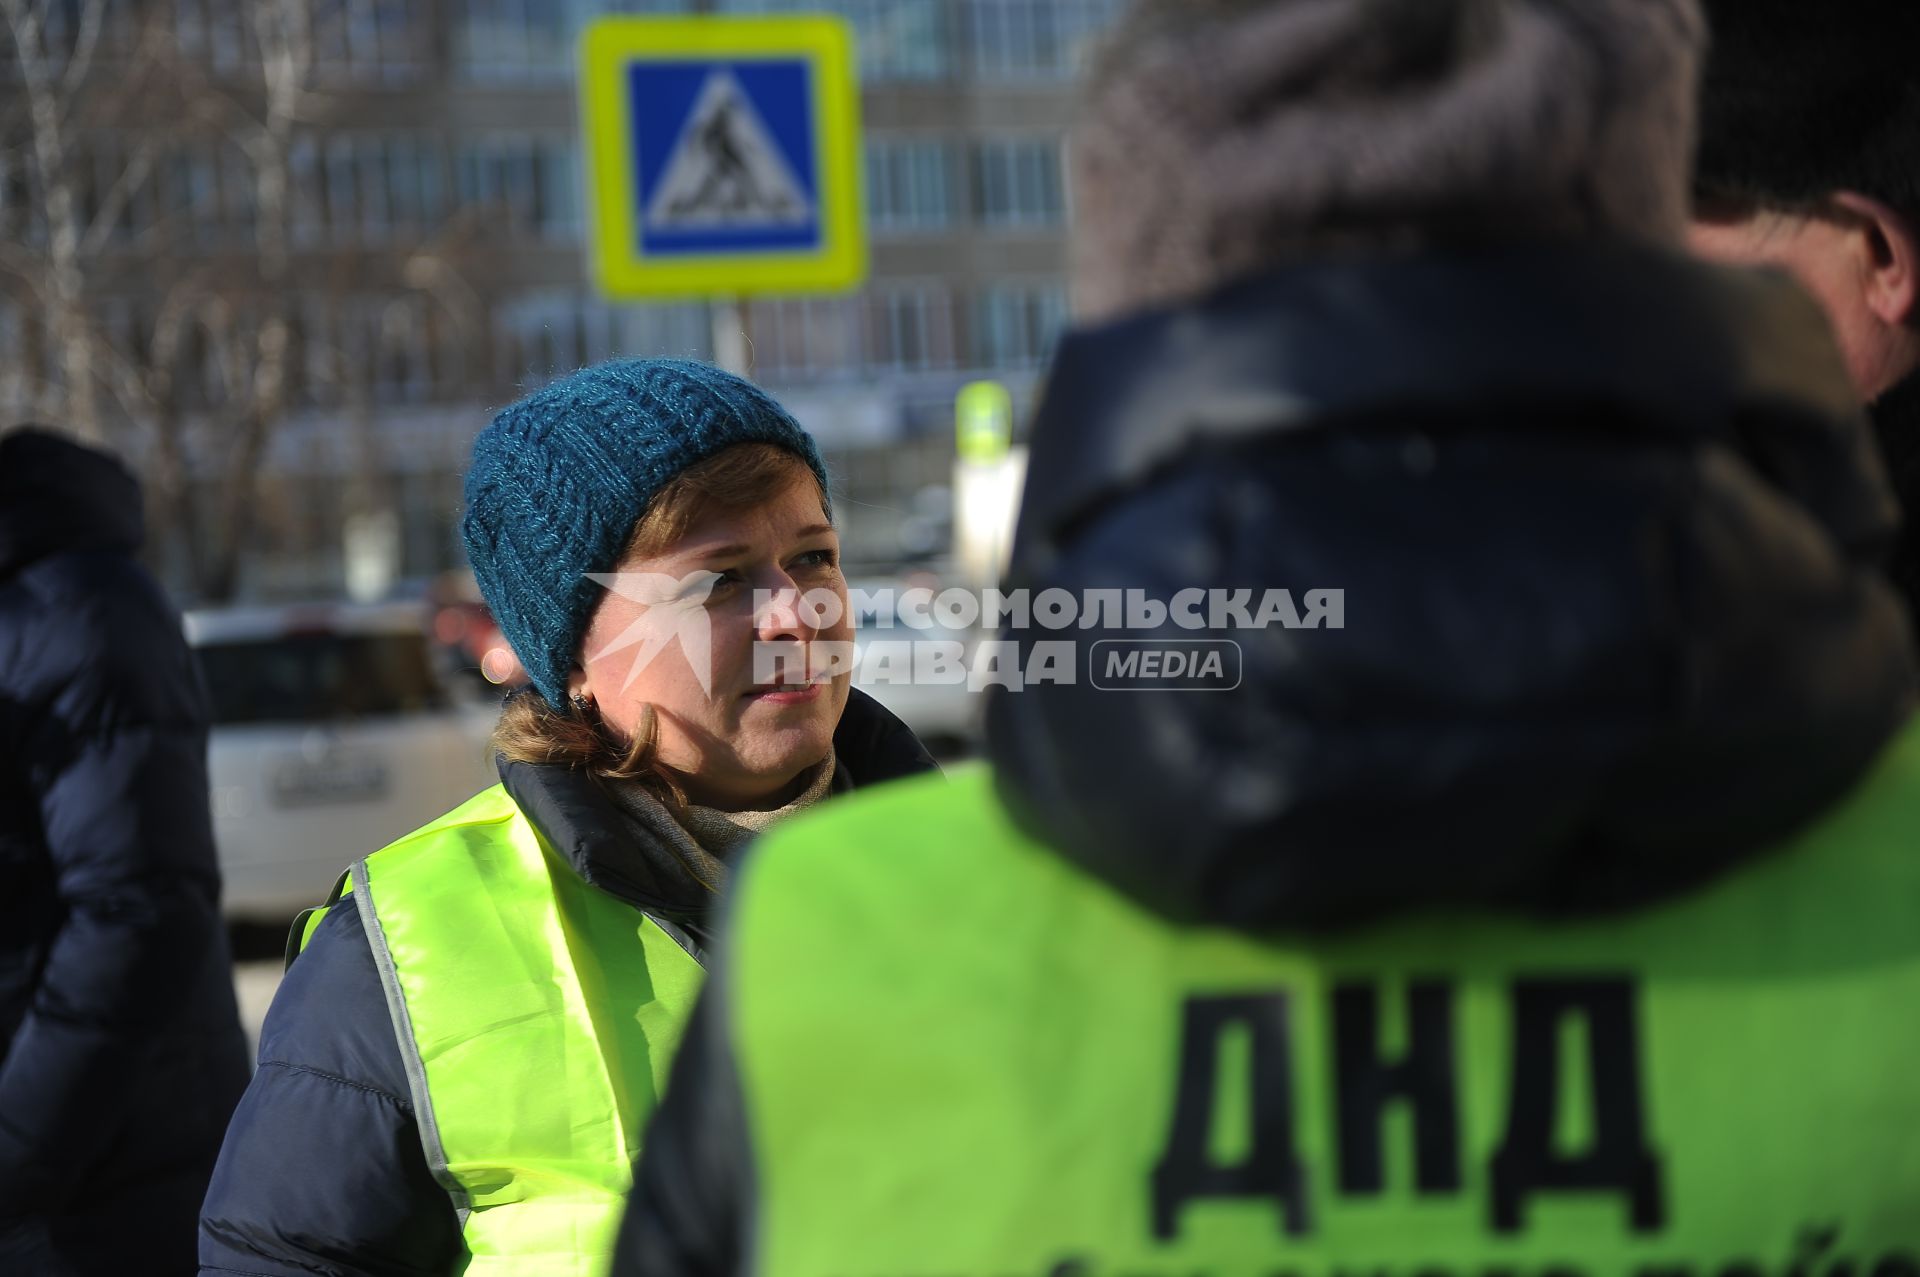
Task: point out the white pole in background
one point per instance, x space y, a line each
730 350
988 474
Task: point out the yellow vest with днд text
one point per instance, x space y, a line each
537 1016
1018 1072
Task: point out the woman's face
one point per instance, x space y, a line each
742 731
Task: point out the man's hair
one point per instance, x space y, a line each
1803 98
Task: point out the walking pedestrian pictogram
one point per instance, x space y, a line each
722 155
726 170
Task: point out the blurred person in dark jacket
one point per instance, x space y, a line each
1810 161
1548 906
121 1053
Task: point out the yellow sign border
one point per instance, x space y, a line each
608 46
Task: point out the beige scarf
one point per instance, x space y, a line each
704 839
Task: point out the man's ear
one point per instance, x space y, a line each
1891 261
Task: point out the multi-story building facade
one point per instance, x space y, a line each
436 223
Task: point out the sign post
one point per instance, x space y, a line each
722 161
730 335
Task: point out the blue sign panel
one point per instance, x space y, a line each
724 156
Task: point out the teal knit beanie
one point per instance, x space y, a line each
560 478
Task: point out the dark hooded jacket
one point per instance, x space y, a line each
123 1054
323 1169
1607 524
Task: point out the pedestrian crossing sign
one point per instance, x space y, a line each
722 155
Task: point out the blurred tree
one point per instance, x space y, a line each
146 227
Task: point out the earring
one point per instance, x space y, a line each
581 704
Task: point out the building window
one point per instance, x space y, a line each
370 176
1017 183
207 30
294 367
910 329
343 184
373 351
364 188
537 339
540 336
528 186
306 201
207 192
239 191
449 343
908 185
23 213
317 380
368 40
777 339
402 363
429 502
530 41
806 339
678 331
1035 39
115 189
509 40
1016 325
898 39
63 27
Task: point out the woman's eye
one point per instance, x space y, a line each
727 580
817 559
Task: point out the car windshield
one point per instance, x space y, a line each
316 677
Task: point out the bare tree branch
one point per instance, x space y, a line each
220 342
112 205
23 26
27 267
84 45
51 161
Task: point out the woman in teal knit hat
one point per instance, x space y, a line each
457 1070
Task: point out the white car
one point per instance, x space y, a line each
900 665
333 735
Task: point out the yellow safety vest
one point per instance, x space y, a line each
537 1017
1014 1071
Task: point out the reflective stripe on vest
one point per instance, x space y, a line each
537 1017
1017 1072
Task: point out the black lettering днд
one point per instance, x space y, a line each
1423 1077
1270 1169
1619 1159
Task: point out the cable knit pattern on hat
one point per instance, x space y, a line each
560 478
1225 137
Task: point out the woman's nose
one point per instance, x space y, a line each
780 614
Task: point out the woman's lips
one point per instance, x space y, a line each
786 694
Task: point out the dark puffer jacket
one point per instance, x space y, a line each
323 1170
1607 523
123 1049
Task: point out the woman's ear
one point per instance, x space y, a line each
1889 257
578 685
